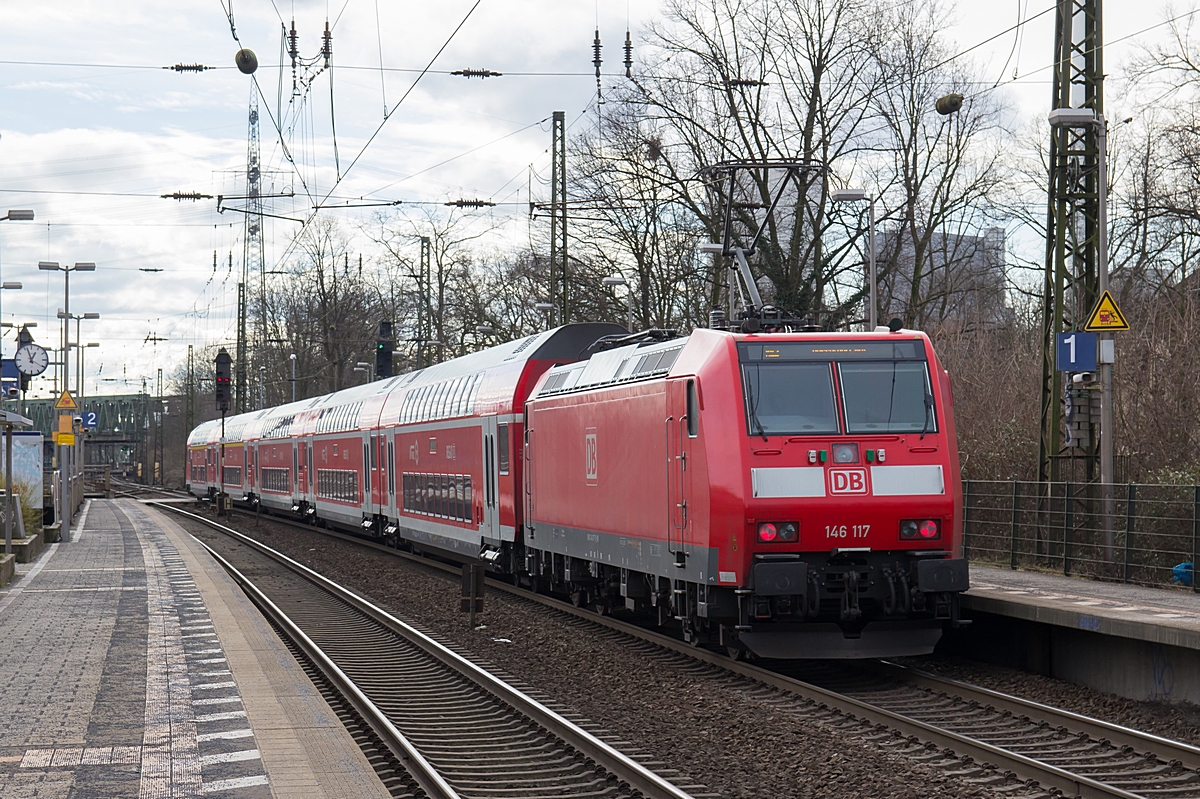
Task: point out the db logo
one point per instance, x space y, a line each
847 481
590 461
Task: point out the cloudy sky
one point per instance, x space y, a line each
93 130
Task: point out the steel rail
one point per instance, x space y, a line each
418 767
621 766
1021 766
1116 734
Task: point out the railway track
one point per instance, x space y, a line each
457 728
981 734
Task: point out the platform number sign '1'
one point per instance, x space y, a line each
91 420
1076 352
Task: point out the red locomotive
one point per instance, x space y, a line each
794 495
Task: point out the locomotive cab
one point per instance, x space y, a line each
853 496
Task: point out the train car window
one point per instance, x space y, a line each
391 468
426 401
366 472
789 399
668 359
888 397
693 410
374 459
475 383
432 445
502 447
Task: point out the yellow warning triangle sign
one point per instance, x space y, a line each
1106 316
66 402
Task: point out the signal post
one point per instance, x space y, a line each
224 364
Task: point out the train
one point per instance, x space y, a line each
789 495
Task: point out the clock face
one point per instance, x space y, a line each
32 360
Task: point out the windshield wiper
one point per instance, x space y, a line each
928 413
754 410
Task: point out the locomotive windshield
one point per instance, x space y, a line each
884 388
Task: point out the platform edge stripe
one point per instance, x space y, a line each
228 735
230 757
235 782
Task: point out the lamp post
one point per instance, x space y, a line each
262 378
77 343
365 368
619 280
14 215
53 266
292 358
83 348
548 309
858 195
482 332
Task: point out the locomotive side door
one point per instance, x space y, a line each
682 427
491 505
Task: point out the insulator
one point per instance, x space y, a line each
470 204
186 195
476 73
293 44
188 67
628 55
327 44
596 59
744 82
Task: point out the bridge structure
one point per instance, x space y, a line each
123 435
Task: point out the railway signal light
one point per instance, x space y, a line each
383 351
224 370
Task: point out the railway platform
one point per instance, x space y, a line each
134 666
1138 642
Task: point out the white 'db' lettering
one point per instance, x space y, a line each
591 464
847 481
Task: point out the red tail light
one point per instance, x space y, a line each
921 529
778 532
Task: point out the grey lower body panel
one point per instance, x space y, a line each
827 642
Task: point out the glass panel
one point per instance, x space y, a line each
789 399
502 447
887 397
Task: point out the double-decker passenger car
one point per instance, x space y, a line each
787 494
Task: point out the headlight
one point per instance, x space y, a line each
845 453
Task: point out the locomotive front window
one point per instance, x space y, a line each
789 398
887 397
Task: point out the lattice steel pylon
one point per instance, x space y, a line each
559 293
1072 224
253 261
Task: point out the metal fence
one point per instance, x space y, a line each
1132 533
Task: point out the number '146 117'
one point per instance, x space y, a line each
847 530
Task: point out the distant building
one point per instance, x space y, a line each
961 279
